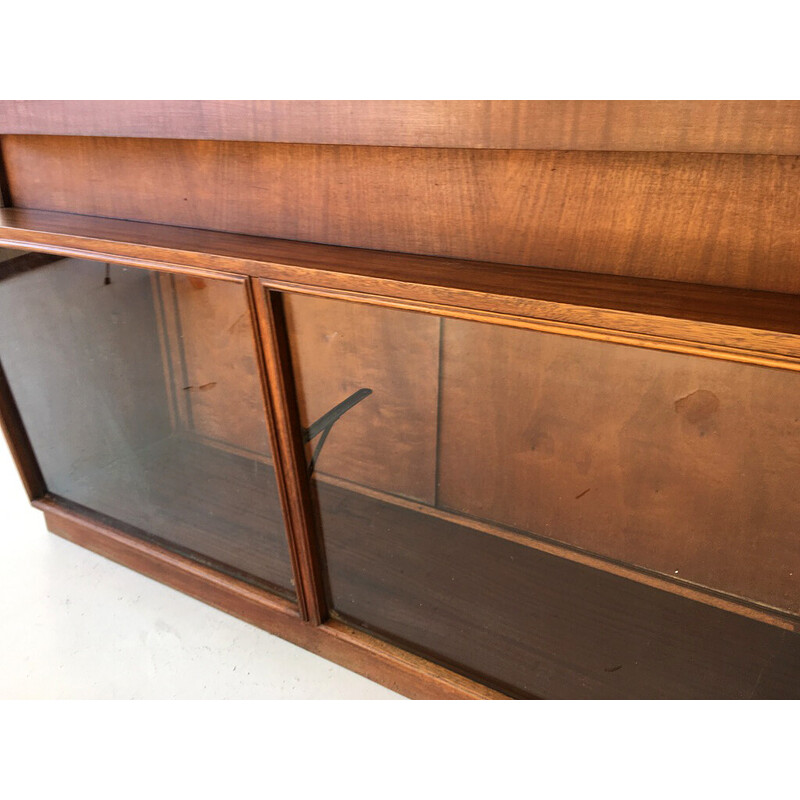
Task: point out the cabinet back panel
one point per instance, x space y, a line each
723 219
208 334
680 464
388 441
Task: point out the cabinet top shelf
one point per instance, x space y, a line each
742 325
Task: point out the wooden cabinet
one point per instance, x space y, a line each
460 478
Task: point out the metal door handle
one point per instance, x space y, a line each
324 424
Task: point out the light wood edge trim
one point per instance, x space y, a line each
102 253
776 349
290 460
699 594
305 603
616 336
390 666
637 329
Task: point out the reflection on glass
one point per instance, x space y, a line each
140 394
679 464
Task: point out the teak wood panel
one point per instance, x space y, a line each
387 441
210 349
767 673
679 464
724 219
724 126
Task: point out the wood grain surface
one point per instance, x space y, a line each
723 219
717 126
209 337
666 225
742 325
388 441
678 464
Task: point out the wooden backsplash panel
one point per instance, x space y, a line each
723 219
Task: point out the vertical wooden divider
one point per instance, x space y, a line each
290 463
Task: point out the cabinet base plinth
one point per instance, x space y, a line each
402 672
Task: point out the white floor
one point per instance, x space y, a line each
75 625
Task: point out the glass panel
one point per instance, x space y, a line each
6 254
679 464
140 394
